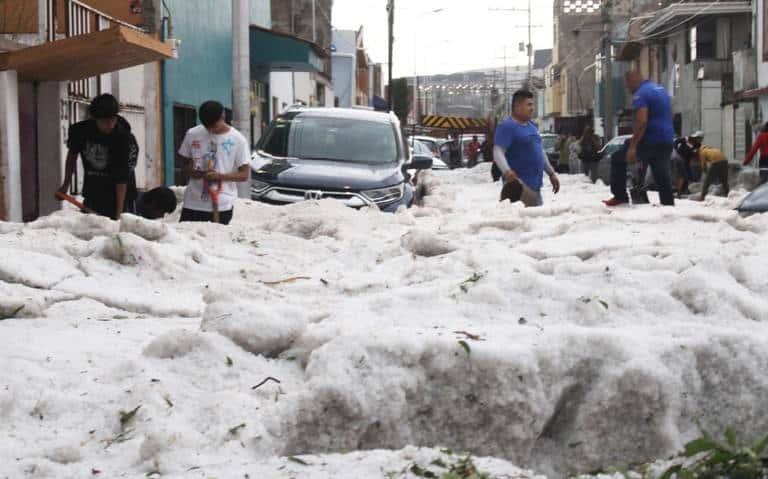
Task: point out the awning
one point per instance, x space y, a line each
84 56
680 11
274 51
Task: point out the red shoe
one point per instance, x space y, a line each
615 202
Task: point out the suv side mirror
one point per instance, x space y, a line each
420 162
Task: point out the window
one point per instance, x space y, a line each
702 41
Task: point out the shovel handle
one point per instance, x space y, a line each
65 197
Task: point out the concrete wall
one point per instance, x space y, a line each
10 152
280 88
344 80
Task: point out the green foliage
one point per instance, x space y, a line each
706 457
464 468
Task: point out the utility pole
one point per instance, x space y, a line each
314 23
241 77
608 110
529 47
391 11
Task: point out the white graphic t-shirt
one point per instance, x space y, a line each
224 153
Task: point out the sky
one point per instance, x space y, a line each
463 35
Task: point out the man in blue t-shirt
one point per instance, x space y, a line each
652 138
518 152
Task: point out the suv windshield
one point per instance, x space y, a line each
335 139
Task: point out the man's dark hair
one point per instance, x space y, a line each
104 106
521 95
164 199
210 113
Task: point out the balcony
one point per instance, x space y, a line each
744 70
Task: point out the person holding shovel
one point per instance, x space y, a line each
217 157
518 153
109 152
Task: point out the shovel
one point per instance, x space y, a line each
69 199
214 194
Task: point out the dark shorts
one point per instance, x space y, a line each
205 216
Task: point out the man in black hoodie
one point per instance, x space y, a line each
109 152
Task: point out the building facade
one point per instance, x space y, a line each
55 56
703 53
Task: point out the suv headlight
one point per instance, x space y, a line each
386 195
258 186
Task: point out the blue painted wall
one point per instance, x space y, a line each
203 70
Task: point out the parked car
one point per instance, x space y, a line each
755 202
355 156
432 143
549 144
421 149
605 154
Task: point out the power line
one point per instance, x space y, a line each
674 27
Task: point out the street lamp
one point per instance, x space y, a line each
417 110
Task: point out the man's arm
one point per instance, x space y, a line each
189 169
641 124
243 173
121 190
500 159
69 170
551 173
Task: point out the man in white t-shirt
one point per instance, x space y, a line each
217 157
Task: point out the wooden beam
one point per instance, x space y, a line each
88 55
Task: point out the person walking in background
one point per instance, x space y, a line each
761 144
589 146
217 157
574 149
518 151
472 152
563 154
715 165
653 134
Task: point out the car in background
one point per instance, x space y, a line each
755 202
421 149
432 143
355 156
606 153
549 144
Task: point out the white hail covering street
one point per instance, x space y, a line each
560 339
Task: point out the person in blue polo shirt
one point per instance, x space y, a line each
653 135
518 152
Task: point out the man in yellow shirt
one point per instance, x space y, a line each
715 164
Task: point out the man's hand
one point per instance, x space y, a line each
555 183
197 174
510 176
632 155
213 176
